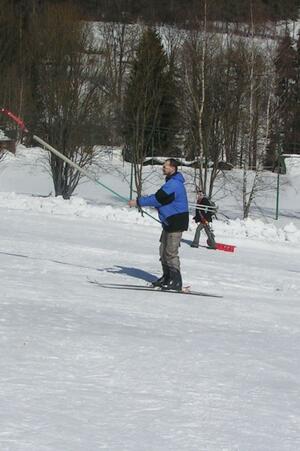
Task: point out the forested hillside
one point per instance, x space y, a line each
180 11
173 11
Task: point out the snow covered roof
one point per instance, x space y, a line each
290 155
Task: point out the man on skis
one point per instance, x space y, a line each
172 205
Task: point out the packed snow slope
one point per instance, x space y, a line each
87 368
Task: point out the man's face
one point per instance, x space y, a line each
168 169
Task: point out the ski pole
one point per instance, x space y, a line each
202 207
83 171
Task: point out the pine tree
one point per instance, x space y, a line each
294 146
150 105
286 94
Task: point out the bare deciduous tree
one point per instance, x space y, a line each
118 42
68 97
256 134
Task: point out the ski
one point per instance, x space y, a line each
121 286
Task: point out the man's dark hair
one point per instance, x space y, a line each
173 163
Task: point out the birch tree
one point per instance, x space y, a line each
202 102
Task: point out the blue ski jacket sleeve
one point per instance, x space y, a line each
171 202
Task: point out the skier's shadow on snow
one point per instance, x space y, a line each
132 272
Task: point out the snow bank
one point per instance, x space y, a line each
257 229
292 164
78 207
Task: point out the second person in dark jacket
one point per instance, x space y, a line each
203 217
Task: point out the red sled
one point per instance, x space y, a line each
225 247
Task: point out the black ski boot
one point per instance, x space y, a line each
164 279
175 281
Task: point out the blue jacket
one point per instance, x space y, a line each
171 202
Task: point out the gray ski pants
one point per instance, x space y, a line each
197 234
168 250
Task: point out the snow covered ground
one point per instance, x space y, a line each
90 368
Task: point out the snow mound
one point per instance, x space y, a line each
79 207
257 229
76 207
292 164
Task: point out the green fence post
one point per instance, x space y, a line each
277 194
131 181
281 170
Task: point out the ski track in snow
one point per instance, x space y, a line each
86 368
